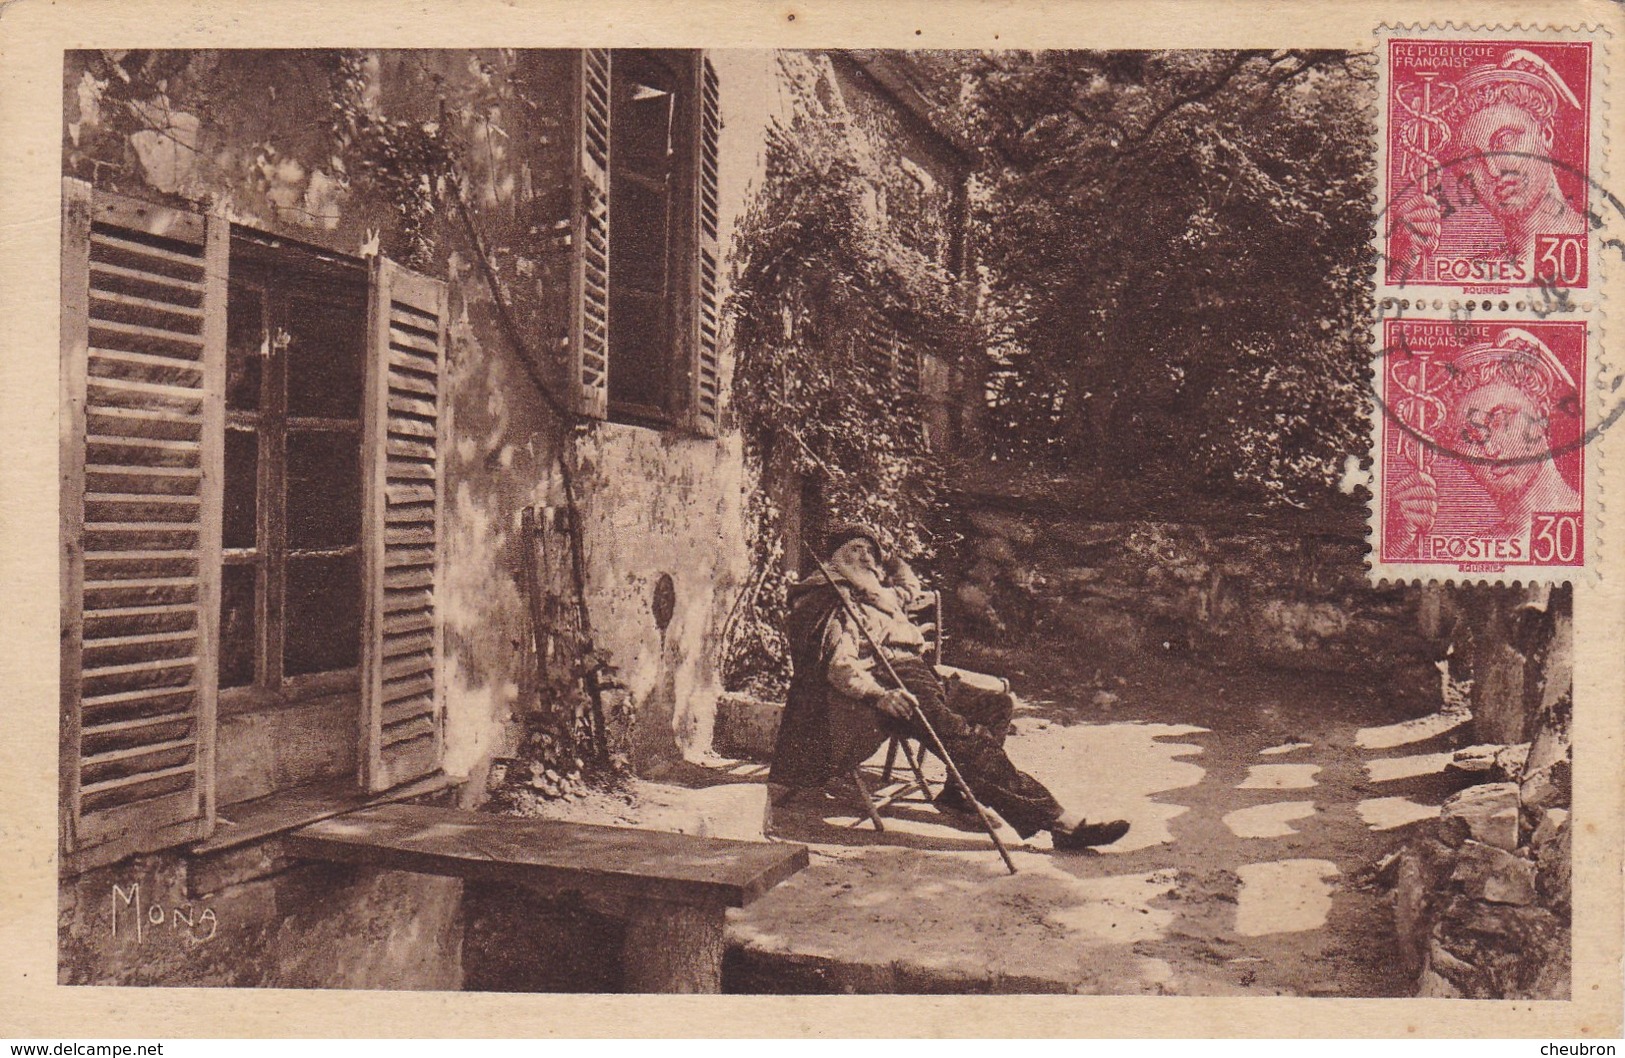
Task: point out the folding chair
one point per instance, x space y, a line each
891 790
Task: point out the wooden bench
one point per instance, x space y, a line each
675 888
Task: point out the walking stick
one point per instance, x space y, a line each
919 714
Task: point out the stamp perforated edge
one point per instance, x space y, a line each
1591 308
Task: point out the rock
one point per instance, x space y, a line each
1410 910
1510 760
1105 700
1502 951
1475 759
1554 867
1490 811
1432 986
1453 831
1551 823
1485 872
1552 978
1458 978
1547 787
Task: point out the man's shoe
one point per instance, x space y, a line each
952 799
1088 835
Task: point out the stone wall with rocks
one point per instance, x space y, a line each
1277 595
1482 897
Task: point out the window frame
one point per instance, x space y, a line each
119 447
681 234
694 352
273 268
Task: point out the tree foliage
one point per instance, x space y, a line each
1176 255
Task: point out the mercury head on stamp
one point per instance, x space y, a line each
1491 406
1475 164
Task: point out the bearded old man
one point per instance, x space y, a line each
843 704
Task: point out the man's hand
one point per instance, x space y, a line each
1418 504
1416 223
897 703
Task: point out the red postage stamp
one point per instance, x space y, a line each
1483 446
1488 147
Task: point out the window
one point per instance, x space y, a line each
647 163
290 592
646 326
250 519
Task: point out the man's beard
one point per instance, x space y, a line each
861 577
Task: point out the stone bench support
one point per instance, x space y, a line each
676 889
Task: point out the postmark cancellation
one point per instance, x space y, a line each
1482 448
1493 212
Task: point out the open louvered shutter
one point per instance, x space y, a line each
143 373
402 714
707 370
589 327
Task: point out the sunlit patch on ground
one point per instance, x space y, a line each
959 914
1117 908
1387 813
1268 821
1389 769
1276 751
1113 771
1284 896
730 810
1408 732
1279 777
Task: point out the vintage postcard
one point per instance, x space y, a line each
1095 514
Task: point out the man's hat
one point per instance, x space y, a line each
1517 358
846 532
1524 67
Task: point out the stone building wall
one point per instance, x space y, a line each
250 134
252 918
1482 896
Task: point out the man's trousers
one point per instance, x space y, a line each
976 744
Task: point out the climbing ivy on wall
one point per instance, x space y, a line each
411 165
443 170
829 300
413 149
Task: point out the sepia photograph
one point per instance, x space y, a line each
961 520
